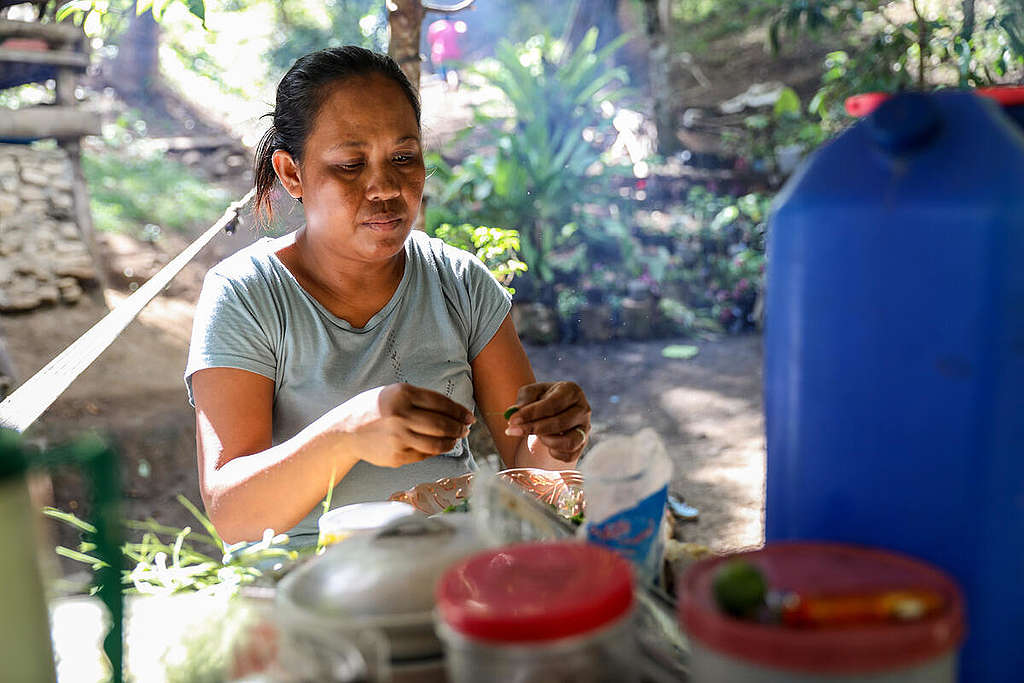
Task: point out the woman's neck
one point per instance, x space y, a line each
350 289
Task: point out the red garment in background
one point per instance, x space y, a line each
443 38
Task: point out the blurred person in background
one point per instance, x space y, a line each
443 36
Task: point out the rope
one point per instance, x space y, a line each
19 410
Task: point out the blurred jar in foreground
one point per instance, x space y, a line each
625 483
538 613
338 524
831 613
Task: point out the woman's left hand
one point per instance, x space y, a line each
557 412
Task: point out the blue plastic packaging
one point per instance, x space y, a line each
894 354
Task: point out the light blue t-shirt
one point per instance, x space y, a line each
254 315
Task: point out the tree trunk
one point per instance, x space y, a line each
136 70
967 30
405 17
659 70
602 14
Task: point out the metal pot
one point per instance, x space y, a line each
382 581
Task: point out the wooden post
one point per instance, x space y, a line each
659 77
405 18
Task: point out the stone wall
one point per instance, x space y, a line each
43 258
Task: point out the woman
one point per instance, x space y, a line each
354 350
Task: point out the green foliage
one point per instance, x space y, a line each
569 302
79 10
167 560
348 22
714 265
765 134
938 47
703 21
538 173
496 247
143 193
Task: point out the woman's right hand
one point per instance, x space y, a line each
403 423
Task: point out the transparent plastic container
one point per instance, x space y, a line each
605 656
555 612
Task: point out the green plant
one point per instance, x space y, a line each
569 303
169 560
139 191
537 172
681 318
715 267
496 247
80 10
352 22
963 43
764 135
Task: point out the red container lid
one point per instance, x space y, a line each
865 103
535 592
825 568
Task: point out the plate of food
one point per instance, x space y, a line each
561 489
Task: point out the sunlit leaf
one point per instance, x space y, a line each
69 518
197 8
680 351
788 102
725 217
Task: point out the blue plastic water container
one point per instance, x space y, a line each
894 354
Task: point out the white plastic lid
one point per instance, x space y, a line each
363 516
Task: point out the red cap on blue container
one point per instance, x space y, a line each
866 103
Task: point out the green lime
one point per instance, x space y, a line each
511 411
739 587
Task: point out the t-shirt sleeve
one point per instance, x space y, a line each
489 304
228 332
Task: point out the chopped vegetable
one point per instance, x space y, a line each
461 506
576 519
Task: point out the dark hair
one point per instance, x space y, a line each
300 95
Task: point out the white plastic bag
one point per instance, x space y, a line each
625 482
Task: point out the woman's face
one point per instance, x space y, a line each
362 173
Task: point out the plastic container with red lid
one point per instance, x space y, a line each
538 612
725 649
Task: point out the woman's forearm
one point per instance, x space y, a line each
276 488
